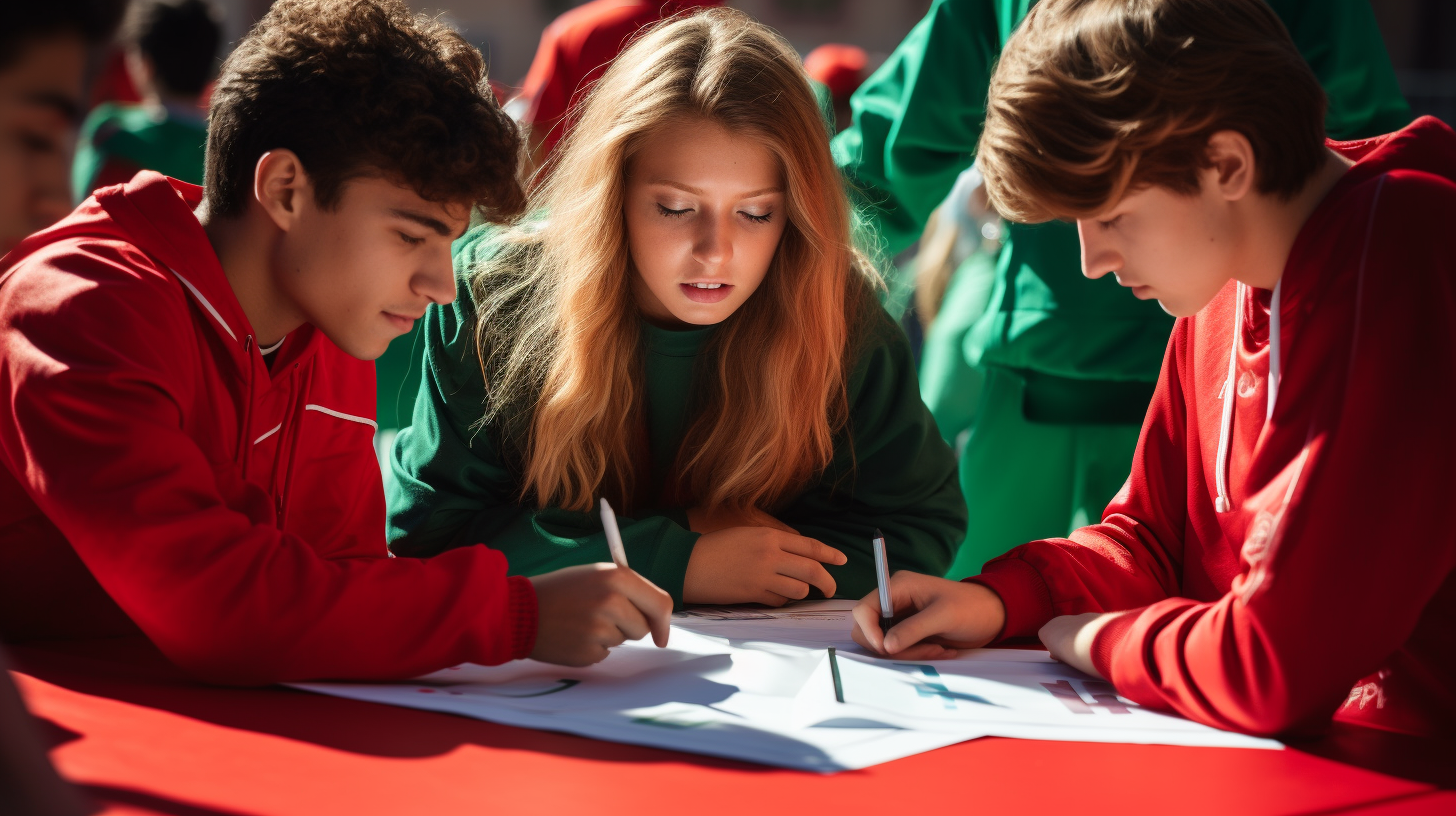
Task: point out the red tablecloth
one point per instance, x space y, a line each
139 738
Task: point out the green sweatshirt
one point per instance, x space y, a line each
141 138
916 124
450 486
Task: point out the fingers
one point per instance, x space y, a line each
790 588
866 632
809 548
926 651
772 599
627 618
919 626
651 602
806 571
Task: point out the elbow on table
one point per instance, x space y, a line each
1277 710
216 659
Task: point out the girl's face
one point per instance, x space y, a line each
704 212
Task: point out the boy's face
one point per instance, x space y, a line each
364 271
704 212
1177 249
40 102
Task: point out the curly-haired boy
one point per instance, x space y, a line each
1281 553
187 439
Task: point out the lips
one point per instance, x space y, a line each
714 293
401 322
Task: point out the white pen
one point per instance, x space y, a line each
882 577
614 536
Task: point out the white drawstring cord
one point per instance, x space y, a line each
1222 504
1274 361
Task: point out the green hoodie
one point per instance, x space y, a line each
450 485
169 141
918 118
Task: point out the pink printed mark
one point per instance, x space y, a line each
1104 696
426 691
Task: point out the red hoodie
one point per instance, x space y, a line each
154 473
1328 587
576 50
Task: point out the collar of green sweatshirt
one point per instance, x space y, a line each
450 487
669 360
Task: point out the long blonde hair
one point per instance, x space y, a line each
559 333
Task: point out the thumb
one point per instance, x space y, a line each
912 630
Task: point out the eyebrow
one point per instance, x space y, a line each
58 102
426 221
695 191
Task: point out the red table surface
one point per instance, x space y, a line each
139 738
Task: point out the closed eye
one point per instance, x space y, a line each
1110 223
410 239
673 213
758 219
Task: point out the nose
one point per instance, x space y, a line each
713 245
436 280
1099 255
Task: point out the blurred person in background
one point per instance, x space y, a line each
575 51
954 271
171 51
45 51
838 70
1068 363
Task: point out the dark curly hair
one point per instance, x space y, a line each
358 88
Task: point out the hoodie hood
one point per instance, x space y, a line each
1426 145
155 214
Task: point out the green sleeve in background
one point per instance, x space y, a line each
1340 40
917 120
450 487
950 386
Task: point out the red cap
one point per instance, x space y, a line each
840 67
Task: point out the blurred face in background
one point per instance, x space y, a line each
40 106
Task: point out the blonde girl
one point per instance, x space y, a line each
686 330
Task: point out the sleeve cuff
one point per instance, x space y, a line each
669 567
1025 594
521 607
1108 638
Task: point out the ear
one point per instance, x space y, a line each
281 186
1231 159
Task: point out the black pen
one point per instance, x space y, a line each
882 577
834 671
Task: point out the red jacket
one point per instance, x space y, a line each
577 48
1328 588
155 474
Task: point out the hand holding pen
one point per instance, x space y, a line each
922 617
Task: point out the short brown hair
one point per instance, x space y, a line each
357 88
1093 98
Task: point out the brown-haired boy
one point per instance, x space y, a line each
1281 552
187 432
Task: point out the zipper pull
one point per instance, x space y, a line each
247 344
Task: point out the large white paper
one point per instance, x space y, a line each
755 685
